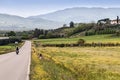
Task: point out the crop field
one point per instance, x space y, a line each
88 39
9 48
76 63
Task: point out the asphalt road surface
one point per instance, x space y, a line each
16 67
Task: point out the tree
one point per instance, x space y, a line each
26 36
42 37
11 33
36 33
71 24
49 35
117 19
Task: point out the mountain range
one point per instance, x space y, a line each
57 19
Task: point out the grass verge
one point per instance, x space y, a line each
9 48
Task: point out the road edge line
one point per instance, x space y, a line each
29 63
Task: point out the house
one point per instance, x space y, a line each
104 21
108 21
115 21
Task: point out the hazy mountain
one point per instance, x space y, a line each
11 22
81 14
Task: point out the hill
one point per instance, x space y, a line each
81 14
81 29
17 23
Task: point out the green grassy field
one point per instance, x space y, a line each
88 39
9 48
76 63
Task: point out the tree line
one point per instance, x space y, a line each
87 29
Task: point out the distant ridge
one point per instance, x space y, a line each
17 23
81 14
56 19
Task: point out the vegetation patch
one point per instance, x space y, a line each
88 39
9 48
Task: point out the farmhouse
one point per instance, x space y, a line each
115 21
104 21
108 21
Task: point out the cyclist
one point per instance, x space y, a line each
17 50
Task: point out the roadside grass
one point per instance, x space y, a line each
47 69
9 48
37 72
88 39
76 63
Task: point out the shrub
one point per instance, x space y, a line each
81 41
42 37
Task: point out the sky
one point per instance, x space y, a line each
27 8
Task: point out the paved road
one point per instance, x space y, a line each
16 67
